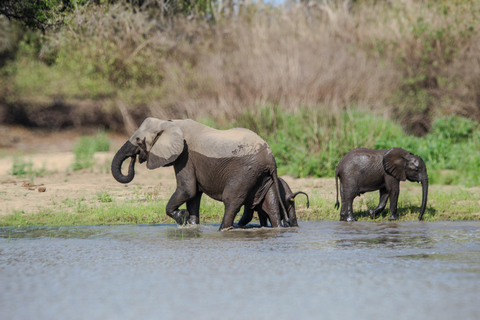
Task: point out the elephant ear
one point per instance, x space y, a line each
394 163
167 145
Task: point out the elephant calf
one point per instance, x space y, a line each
364 170
268 205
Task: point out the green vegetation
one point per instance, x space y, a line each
311 142
444 204
36 14
106 211
104 197
24 168
451 150
86 147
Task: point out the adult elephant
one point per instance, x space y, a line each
269 202
234 166
363 170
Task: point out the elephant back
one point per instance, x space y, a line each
213 143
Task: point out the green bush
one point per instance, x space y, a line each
311 142
451 150
24 168
86 147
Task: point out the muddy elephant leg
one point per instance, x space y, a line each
178 198
246 217
381 204
193 208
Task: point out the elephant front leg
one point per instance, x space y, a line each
393 205
179 215
193 208
381 204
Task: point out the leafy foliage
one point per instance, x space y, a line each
86 147
36 14
311 143
451 150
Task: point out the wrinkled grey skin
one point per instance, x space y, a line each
234 166
364 170
268 204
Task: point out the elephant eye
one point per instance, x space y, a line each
141 143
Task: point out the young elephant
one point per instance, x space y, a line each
269 204
234 166
364 170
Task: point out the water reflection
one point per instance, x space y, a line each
119 232
387 235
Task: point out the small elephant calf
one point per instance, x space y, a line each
268 205
364 170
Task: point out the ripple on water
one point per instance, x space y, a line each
338 270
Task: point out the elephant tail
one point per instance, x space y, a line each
277 191
337 176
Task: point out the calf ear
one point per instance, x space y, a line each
394 163
167 146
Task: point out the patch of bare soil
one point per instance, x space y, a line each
60 186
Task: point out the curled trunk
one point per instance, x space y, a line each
424 198
128 150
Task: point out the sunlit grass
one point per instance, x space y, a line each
443 204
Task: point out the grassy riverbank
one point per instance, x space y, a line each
444 204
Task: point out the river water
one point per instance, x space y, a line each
321 270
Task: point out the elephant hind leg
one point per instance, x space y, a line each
381 204
346 209
231 210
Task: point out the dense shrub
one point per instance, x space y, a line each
311 143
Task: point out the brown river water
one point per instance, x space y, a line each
321 270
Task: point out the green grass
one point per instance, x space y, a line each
444 204
86 147
104 197
24 168
141 208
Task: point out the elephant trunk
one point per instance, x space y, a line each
128 150
424 198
